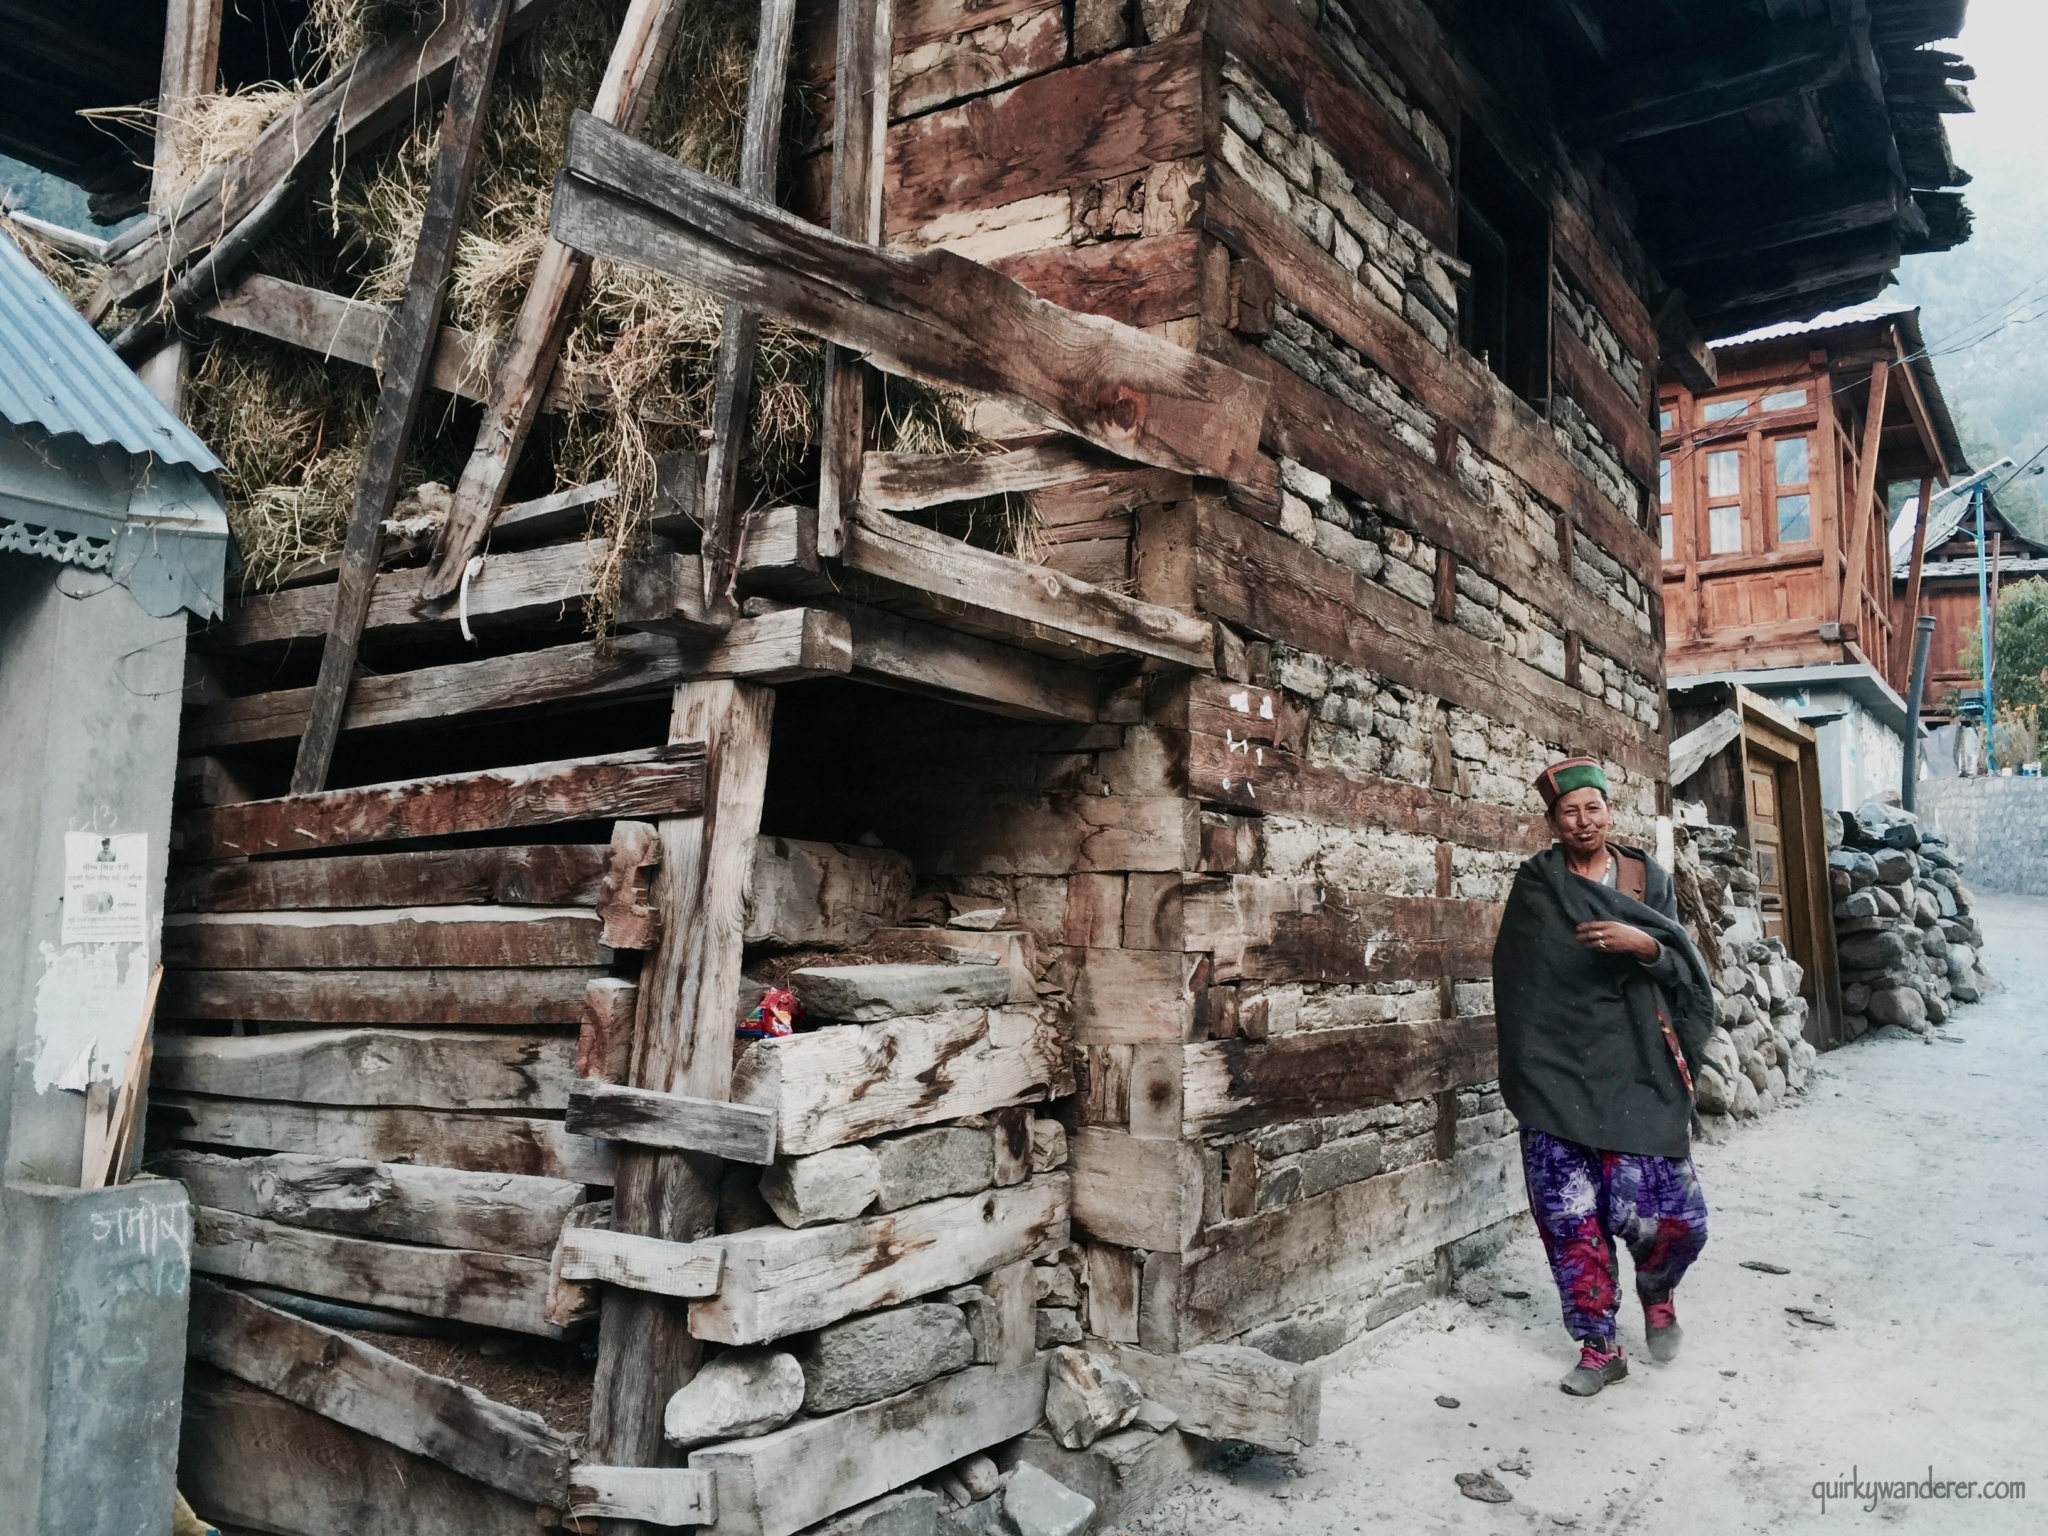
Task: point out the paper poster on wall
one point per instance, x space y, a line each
105 886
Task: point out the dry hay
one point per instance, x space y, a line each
74 276
205 131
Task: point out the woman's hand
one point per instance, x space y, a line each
1618 939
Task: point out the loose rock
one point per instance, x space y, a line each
742 1392
1086 1398
1041 1505
1485 1487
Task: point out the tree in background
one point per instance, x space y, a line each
2020 638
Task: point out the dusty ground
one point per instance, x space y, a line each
1906 1193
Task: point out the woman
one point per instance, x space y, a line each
1602 1005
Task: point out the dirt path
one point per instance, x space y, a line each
1907 1193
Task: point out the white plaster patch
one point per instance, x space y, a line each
88 1004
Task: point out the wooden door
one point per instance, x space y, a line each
1767 842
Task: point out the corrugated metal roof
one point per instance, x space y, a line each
1834 319
56 373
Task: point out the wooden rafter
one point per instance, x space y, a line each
1859 508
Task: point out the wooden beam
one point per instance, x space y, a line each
659 781
496 1290
780 1281
1228 1392
412 998
860 127
665 1496
527 875
392 1068
520 384
1903 639
1861 508
913 556
422 938
341 1378
191 69
905 653
650 1264
1144 1194
1259 928
401 1202
776 647
908 482
1683 92
740 1133
408 348
497 1143
932 316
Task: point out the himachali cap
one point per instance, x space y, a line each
1561 778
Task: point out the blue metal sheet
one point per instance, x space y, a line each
56 373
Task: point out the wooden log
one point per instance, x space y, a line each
1858 510
741 1133
1132 997
906 653
661 781
777 647
932 316
625 903
655 1495
604 1042
401 1202
907 482
829 894
531 875
480 1143
1272 1265
1110 1276
1145 282
497 1290
642 1263
1230 1086
407 938
1136 1194
388 1068
904 553
408 348
1229 1392
780 1281
833 1086
780 1483
1258 928
624 96
522 997
350 1382
259 1463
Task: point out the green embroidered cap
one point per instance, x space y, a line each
1561 778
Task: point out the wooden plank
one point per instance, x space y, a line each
256 1462
408 348
933 315
833 1086
1142 282
1860 508
519 997
780 1281
401 1202
1258 578
741 1133
1229 1392
907 482
520 381
1257 928
388 1068
642 1263
497 1290
516 589
350 1382
530 875
1272 1265
913 556
1229 1086
482 1143
656 1495
903 653
658 781
415 938
780 1483
777 647
1136 1193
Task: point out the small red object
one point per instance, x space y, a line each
773 1017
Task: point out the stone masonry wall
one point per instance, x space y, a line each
1997 826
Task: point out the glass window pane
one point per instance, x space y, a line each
1724 531
1792 469
1784 400
1795 520
1725 410
1665 534
1664 421
1724 473
1664 481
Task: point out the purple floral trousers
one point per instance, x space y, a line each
1583 1199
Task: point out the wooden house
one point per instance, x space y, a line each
1323 339
1945 583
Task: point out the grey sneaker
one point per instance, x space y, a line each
1601 1363
1660 1325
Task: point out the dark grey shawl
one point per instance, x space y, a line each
1583 1053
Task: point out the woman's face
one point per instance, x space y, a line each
1581 818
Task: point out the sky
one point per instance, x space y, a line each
1984 306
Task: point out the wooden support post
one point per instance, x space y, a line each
1860 511
624 99
741 328
684 1045
1903 637
191 67
860 125
408 350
